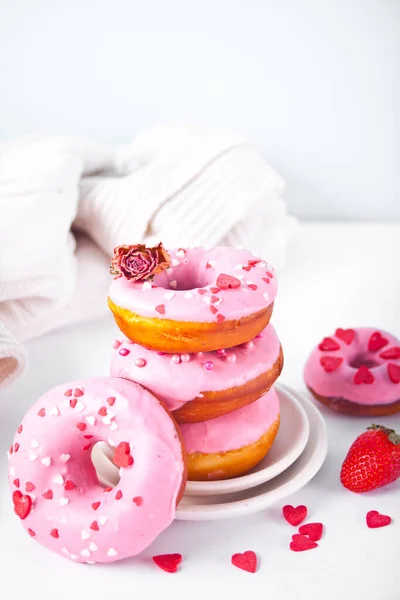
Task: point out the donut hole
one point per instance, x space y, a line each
185 277
363 360
107 473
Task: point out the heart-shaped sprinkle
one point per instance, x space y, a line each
102 411
19 430
69 485
246 268
94 525
346 335
110 401
95 505
81 426
160 309
138 500
266 279
328 345
87 447
122 456
42 412
64 501
46 461
312 530
48 495
294 515
376 342
215 299
213 309
391 353
118 495
363 375
168 562
252 286
73 402
68 393
16 482
54 533
300 543
226 282
22 504
394 372
214 290
29 487
220 318
330 363
78 392
31 532
65 457
375 519
201 291
247 561
16 447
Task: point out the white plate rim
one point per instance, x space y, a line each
237 484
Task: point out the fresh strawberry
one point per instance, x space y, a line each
372 461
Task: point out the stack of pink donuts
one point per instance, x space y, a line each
190 395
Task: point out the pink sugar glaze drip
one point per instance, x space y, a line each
234 430
51 453
177 289
176 383
340 382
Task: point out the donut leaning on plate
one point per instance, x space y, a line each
190 300
204 385
356 371
233 444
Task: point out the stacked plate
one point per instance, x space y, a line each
297 454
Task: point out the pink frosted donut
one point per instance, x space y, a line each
231 445
203 385
356 371
54 485
205 300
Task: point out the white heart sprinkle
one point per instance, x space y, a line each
32 456
262 264
146 285
111 552
175 262
91 420
93 547
207 299
65 457
212 263
181 253
238 267
188 295
12 471
85 535
54 412
79 406
173 284
106 420
34 444
73 556
58 479
46 461
113 425
103 520
85 552
65 550
63 501
168 271
240 277
169 295
266 295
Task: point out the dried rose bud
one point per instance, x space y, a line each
139 263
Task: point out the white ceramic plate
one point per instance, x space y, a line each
289 444
206 508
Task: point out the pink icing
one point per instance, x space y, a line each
176 380
340 383
53 450
174 294
234 430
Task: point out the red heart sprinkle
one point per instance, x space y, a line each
330 363
363 375
394 372
54 533
118 495
16 447
95 505
254 262
103 411
48 495
312 530
160 309
213 309
22 504
346 335
29 486
69 485
220 318
246 268
122 455
31 532
328 345
266 279
68 393
214 298
269 274
42 412
293 515
81 426
16 482
78 392
11 450
301 542
246 561
86 447
94 526
88 436
73 402
375 519
252 286
226 282
391 353
107 489
168 562
201 292
19 430
138 500
376 342
110 401
214 290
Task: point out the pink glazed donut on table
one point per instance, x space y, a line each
55 489
356 371
205 385
202 300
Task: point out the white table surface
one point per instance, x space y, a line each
337 275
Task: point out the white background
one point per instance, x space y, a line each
312 82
